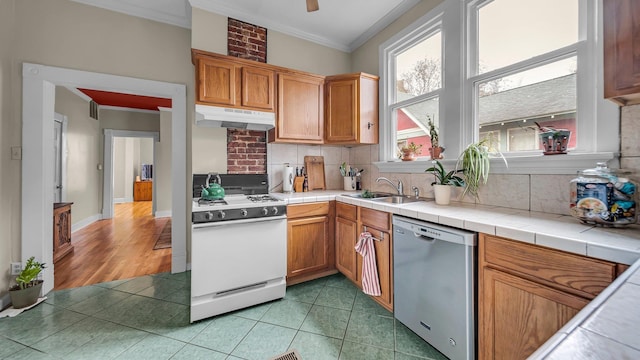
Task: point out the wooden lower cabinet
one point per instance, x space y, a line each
351 221
519 315
61 230
526 293
384 261
346 239
310 246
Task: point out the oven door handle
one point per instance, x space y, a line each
240 221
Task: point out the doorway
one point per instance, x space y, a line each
38 102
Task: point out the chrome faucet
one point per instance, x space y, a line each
416 191
399 188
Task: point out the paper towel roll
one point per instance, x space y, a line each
287 179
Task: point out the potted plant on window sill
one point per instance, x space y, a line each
444 182
27 290
410 151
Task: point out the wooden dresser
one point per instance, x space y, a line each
61 230
142 190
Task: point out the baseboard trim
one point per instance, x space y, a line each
162 214
85 222
122 200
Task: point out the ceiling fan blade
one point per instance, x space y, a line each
312 5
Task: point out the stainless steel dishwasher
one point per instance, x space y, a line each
434 284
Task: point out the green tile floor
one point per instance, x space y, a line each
148 318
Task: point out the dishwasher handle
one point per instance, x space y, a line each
432 232
424 237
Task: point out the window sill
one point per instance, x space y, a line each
568 164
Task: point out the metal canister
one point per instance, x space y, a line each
604 197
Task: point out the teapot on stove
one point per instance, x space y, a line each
213 191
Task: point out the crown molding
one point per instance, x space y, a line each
385 21
146 10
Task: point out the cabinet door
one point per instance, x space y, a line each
258 88
342 111
308 246
300 109
346 256
516 316
217 82
384 262
622 51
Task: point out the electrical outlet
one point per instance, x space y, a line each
16 267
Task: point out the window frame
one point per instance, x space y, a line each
598 136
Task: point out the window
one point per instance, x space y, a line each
500 70
418 80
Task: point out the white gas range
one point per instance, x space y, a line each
238 247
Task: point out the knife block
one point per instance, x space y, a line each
297 183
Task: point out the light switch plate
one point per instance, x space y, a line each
16 153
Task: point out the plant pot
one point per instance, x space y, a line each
408 156
435 153
442 194
21 298
555 142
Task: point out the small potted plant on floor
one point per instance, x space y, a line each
27 289
410 151
444 182
435 151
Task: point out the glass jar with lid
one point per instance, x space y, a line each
603 196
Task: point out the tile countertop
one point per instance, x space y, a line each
606 327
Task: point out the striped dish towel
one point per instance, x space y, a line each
370 280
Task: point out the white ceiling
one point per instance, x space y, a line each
340 24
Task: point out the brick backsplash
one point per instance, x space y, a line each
246 41
246 152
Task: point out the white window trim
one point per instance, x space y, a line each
598 138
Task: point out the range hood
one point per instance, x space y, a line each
214 116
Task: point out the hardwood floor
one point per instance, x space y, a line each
114 249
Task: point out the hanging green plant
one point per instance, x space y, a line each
475 164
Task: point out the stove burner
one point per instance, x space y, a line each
211 202
261 198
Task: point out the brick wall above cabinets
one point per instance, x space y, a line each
246 41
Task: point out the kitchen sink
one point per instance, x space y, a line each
396 199
373 195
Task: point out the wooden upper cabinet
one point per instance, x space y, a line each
300 109
231 82
621 21
258 87
217 82
351 115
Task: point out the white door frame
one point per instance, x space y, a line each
63 154
107 191
38 101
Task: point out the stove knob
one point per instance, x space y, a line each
243 212
221 214
208 216
264 211
274 210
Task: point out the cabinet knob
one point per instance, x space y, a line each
369 125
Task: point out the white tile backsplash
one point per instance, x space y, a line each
550 193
